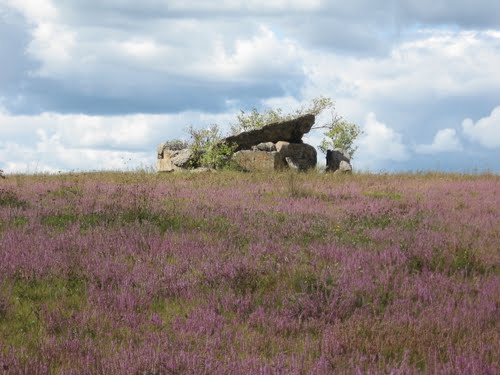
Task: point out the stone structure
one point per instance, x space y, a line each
290 131
173 160
338 161
276 146
259 161
282 155
265 146
299 156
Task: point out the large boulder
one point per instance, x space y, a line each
173 160
338 160
290 131
299 156
259 161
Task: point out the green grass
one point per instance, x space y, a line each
25 302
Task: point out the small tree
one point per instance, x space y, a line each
340 134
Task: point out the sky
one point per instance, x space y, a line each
96 85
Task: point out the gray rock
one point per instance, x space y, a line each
181 158
1 174
281 145
165 165
259 161
300 156
345 167
291 164
338 159
172 160
265 146
161 149
289 131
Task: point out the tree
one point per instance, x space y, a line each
340 134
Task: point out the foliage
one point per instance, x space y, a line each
217 155
338 132
256 120
208 148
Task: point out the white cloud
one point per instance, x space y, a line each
445 140
52 45
50 154
113 132
379 145
254 6
486 131
52 142
35 10
262 56
432 65
140 48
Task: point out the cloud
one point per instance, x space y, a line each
80 63
157 57
93 71
429 82
379 145
445 140
485 131
52 142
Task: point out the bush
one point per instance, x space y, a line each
208 148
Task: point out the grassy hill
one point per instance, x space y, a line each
232 273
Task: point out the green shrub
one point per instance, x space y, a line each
209 149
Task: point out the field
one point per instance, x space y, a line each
232 273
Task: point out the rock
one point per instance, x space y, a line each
181 158
1 174
300 156
161 150
291 164
338 160
165 165
281 145
172 160
265 146
261 161
345 167
289 131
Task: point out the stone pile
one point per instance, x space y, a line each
276 146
